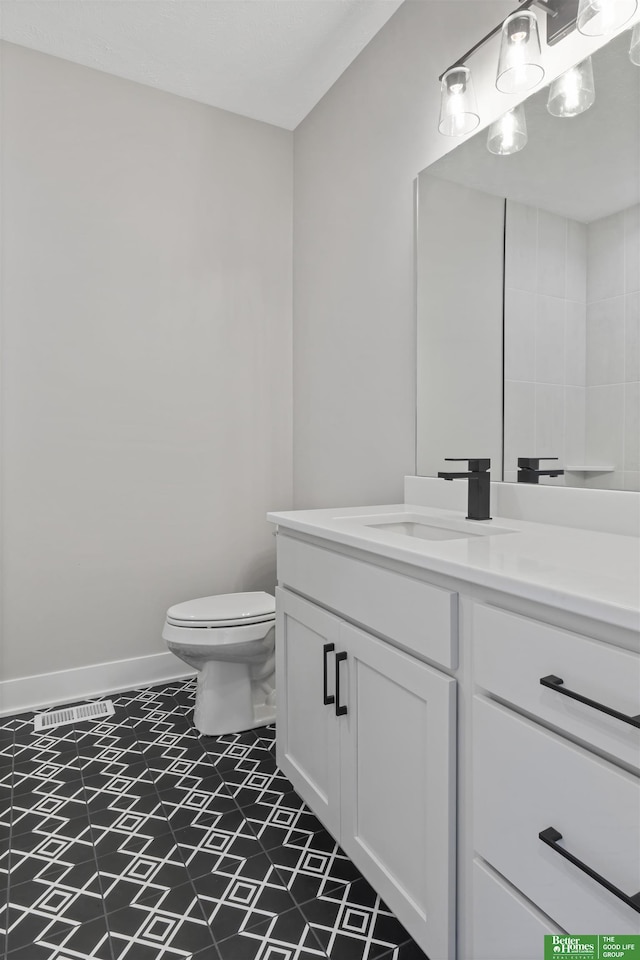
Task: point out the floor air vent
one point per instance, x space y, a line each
86 711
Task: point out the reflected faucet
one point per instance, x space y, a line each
479 479
529 472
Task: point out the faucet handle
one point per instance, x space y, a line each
476 466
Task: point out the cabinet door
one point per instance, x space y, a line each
398 784
308 741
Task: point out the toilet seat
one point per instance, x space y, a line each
223 610
212 624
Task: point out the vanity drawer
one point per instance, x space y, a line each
512 653
505 926
527 780
418 616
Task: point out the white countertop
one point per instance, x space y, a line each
593 574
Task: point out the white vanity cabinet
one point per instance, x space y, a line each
486 807
366 733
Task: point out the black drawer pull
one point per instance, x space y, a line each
326 650
550 836
557 684
341 709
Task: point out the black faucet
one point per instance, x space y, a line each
529 472
479 486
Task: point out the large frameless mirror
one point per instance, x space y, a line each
529 286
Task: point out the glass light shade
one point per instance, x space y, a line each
458 106
634 49
509 133
596 18
519 66
573 92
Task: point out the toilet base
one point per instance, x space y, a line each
236 673
265 715
228 700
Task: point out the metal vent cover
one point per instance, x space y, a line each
85 711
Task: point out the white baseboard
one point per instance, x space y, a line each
67 686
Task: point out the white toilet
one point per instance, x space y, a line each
230 640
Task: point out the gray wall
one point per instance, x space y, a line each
146 405
355 159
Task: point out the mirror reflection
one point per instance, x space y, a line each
529 289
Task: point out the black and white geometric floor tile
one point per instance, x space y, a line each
286 936
352 921
134 838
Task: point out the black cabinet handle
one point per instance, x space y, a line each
326 650
550 836
341 709
557 684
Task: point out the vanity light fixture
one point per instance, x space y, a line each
573 92
634 49
519 65
458 106
508 134
596 18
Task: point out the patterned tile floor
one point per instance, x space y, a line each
133 838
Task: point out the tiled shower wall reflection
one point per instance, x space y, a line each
613 348
545 338
571 344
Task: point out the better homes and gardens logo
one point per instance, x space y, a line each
592 948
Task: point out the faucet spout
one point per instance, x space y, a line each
454 476
479 487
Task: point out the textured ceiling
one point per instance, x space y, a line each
267 59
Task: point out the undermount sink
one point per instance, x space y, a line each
428 528
424 531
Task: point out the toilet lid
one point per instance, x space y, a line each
224 608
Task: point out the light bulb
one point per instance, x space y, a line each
519 65
573 92
458 107
597 18
508 134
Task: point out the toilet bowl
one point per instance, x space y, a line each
230 640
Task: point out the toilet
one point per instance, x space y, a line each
230 640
